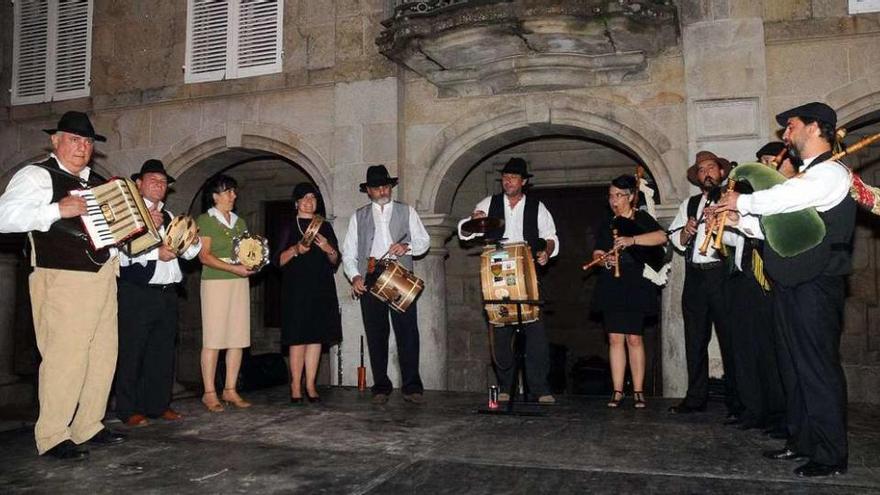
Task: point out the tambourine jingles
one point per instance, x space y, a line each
180 234
250 251
312 230
789 234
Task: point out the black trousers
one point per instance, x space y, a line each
704 302
147 333
406 334
758 380
537 357
810 317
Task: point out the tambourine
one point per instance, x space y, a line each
180 234
312 230
250 251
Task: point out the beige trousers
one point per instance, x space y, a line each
75 324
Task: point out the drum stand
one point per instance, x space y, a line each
518 360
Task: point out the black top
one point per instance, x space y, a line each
309 307
632 291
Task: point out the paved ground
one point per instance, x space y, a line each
346 445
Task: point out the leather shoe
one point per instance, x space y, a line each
313 399
136 420
296 401
107 437
171 415
783 454
380 399
812 469
686 409
67 450
415 398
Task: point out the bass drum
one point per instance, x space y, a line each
509 272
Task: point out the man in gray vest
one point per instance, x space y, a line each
385 227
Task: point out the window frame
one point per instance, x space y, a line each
863 6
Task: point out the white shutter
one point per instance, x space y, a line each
30 52
73 42
257 40
863 6
207 32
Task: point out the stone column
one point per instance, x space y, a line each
432 303
673 362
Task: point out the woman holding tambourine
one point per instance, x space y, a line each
623 295
225 293
308 255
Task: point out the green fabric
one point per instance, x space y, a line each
789 234
221 243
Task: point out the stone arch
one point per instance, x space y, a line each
455 150
285 143
855 99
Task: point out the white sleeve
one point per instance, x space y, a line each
420 241
750 225
823 186
483 206
350 249
677 225
27 203
547 228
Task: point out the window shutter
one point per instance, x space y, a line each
73 50
30 52
257 41
207 29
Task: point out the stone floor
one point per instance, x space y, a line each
346 445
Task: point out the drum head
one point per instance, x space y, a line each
181 234
251 251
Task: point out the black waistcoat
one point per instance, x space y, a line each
65 246
142 274
833 256
530 221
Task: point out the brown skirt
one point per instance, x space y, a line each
226 314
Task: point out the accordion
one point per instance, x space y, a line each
117 216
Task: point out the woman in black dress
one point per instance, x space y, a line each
310 310
625 301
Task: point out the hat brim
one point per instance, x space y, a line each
96 137
692 170
392 181
170 179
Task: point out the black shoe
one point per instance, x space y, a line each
67 450
812 469
783 454
107 437
315 399
296 401
686 409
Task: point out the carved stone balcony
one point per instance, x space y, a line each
483 47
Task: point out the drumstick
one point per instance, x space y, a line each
389 248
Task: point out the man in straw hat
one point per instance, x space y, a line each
703 301
810 288
525 220
385 227
148 313
73 291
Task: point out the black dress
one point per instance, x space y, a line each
309 307
625 302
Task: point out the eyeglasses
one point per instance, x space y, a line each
617 195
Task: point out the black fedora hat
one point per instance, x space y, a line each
517 166
773 148
76 123
814 110
152 167
377 175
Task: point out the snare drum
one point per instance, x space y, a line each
509 271
396 286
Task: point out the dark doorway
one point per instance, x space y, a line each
278 214
579 349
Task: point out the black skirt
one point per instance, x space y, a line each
628 322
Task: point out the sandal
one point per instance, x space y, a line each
230 396
616 398
214 404
639 400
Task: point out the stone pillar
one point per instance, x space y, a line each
674 365
432 303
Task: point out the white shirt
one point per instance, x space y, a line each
677 226
513 222
214 212
27 203
167 272
419 242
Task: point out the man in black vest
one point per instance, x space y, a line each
703 299
810 288
148 313
73 291
524 220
